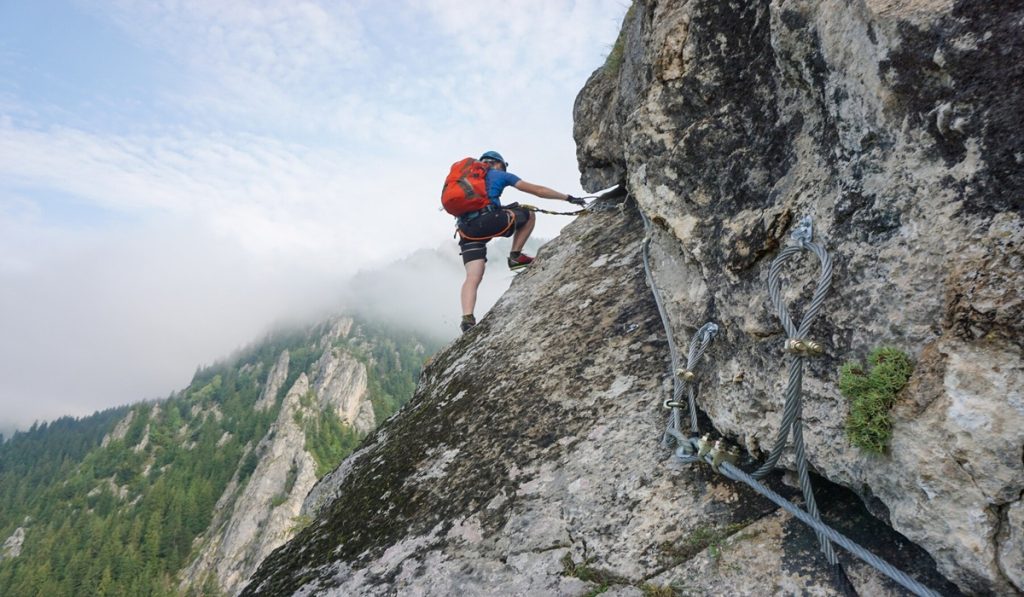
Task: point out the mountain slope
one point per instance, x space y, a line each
210 479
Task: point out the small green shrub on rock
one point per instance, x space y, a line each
872 393
613 62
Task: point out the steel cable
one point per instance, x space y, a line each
683 381
689 448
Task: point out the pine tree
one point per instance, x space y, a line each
105 588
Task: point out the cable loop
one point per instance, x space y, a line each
799 347
723 458
685 378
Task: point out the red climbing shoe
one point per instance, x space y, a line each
519 261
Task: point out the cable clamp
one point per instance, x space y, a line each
722 452
686 374
804 347
673 404
704 445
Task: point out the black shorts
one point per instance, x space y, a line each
473 235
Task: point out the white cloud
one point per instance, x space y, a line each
259 192
291 144
284 41
128 314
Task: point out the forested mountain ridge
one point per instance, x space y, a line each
123 501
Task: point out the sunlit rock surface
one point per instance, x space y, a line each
529 462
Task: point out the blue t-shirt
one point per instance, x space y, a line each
496 182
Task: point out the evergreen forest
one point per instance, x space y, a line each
116 503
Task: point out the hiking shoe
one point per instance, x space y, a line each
520 261
467 323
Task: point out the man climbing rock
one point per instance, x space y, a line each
493 220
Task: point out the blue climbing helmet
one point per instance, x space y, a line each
495 156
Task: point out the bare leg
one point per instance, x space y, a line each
523 234
474 274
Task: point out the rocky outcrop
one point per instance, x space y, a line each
275 380
11 547
256 515
264 512
119 431
340 328
341 384
896 126
893 125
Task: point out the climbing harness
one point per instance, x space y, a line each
511 223
723 458
512 220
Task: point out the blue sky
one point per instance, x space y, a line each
176 175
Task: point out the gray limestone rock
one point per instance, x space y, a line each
275 379
254 517
264 513
896 126
120 430
11 547
340 381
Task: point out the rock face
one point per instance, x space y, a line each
11 547
894 124
263 515
256 517
277 377
120 430
341 384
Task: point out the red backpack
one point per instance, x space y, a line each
465 189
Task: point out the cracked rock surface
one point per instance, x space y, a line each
896 125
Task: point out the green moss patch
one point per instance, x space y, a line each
872 392
699 539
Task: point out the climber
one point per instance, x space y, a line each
493 220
